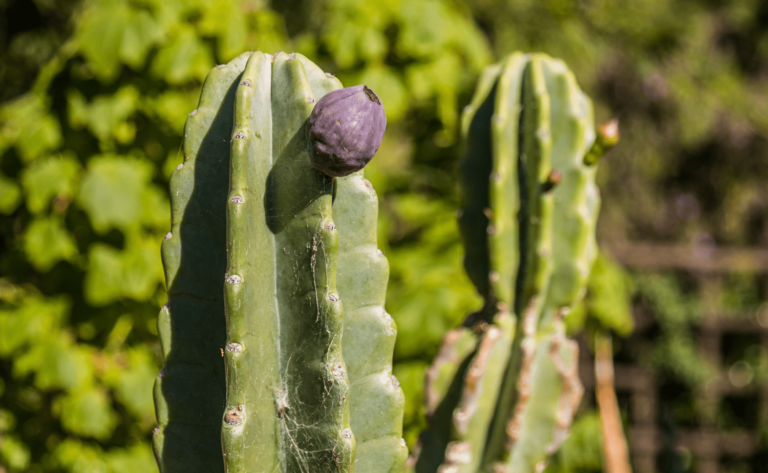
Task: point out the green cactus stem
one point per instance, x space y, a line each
442 394
529 208
376 401
254 377
287 387
479 395
535 220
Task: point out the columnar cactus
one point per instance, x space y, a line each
254 377
504 387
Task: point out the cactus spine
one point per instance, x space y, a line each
251 266
508 378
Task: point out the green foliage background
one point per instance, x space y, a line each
94 98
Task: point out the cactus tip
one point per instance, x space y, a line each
607 137
610 130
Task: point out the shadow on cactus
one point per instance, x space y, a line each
263 253
503 389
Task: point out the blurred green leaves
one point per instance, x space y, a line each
115 33
47 242
105 116
53 177
116 193
134 272
10 195
86 153
388 45
608 301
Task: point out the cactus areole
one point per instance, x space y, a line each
345 130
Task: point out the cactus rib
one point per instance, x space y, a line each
376 400
252 356
298 406
535 246
190 391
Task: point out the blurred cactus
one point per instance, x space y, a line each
503 389
252 263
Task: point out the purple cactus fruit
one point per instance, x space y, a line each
345 130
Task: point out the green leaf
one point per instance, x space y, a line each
106 115
10 195
100 37
583 449
88 413
111 32
76 456
133 383
411 378
183 58
130 460
172 108
44 180
140 34
156 208
34 319
112 192
13 453
26 124
56 363
610 295
113 274
390 87
226 20
46 242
